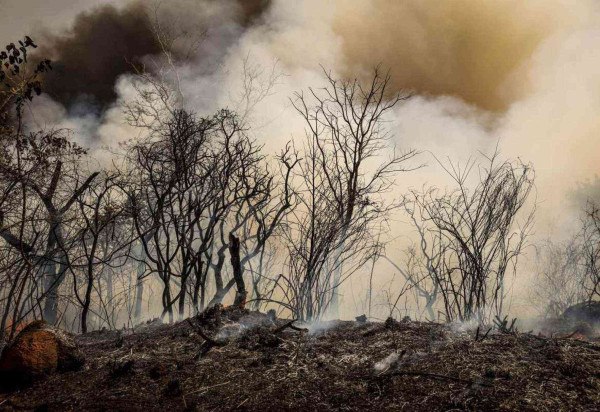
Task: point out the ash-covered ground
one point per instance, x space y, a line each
250 361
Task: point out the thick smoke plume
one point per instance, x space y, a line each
101 45
109 41
469 49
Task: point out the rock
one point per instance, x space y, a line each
361 318
586 312
38 350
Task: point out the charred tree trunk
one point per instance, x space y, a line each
197 284
86 305
221 289
139 287
139 298
182 294
51 276
234 250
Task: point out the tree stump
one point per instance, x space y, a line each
38 350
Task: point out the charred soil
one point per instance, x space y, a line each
248 361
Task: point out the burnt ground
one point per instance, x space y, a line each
343 366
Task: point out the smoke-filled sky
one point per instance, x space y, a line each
519 73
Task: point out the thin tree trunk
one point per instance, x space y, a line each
49 276
139 287
334 306
198 278
234 250
182 293
86 304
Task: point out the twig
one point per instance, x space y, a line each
434 376
205 336
243 402
207 388
290 325
477 337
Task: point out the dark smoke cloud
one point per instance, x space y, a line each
100 46
252 10
106 42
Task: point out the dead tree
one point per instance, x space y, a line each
20 81
42 164
256 218
199 179
169 196
313 237
591 252
98 243
345 130
232 175
560 276
416 273
470 237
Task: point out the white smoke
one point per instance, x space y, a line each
519 74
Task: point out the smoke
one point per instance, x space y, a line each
101 45
108 41
520 74
464 48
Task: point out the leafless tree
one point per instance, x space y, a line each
567 272
560 276
43 165
470 238
591 252
416 273
20 82
227 176
314 235
256 219
343 178
100 240
200 181
169 197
